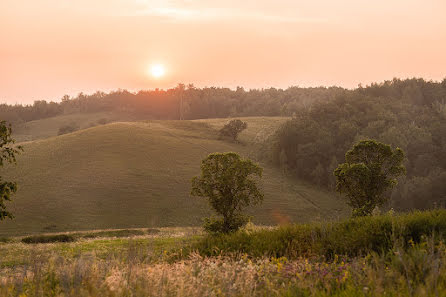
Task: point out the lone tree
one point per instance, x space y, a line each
230 184
233 129
7 155
370 171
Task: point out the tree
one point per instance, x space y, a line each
233 129
230 184
370 171
7 155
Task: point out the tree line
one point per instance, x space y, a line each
197 103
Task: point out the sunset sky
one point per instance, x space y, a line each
49 48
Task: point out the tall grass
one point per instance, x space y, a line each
420 270
353 237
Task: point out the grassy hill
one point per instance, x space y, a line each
49 127
137 174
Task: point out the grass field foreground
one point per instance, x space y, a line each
169 264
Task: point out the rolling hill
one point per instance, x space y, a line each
137 174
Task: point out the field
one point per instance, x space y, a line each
174 263
137 174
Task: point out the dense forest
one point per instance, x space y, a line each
165 104
410 114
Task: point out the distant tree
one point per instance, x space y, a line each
370 171
8 154
230 184
233 129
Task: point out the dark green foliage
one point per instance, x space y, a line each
409 114
229 182
353 237
198 103
220 225
370 171
65 129
233 129
8 154
48 238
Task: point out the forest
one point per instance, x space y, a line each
324 123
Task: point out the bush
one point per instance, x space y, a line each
48 238
233 128
353 237
68 129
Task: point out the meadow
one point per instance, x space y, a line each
176 262
137 174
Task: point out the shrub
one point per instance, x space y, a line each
68 129
233 128
353 237
48 238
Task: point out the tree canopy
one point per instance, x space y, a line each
8 154
233 129
230 183
370 170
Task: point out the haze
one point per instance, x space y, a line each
49 48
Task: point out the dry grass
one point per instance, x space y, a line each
137 174
420 271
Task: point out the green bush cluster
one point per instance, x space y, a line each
353 237
48 238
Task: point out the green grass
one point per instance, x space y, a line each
352 237
166 243
411 262
137 174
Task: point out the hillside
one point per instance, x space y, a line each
137 174
48 127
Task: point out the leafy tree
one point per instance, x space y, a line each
370 171
233 129
230 184
7 155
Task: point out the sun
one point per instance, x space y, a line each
157 70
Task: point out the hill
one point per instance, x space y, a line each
137 174
48 127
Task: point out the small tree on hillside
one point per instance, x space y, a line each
370 171
233 129
230 184
7 155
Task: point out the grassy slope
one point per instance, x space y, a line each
49 127
138 174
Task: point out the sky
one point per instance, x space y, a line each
49 48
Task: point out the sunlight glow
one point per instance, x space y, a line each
157 70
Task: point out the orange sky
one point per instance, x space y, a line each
49 48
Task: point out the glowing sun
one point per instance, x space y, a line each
157 70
